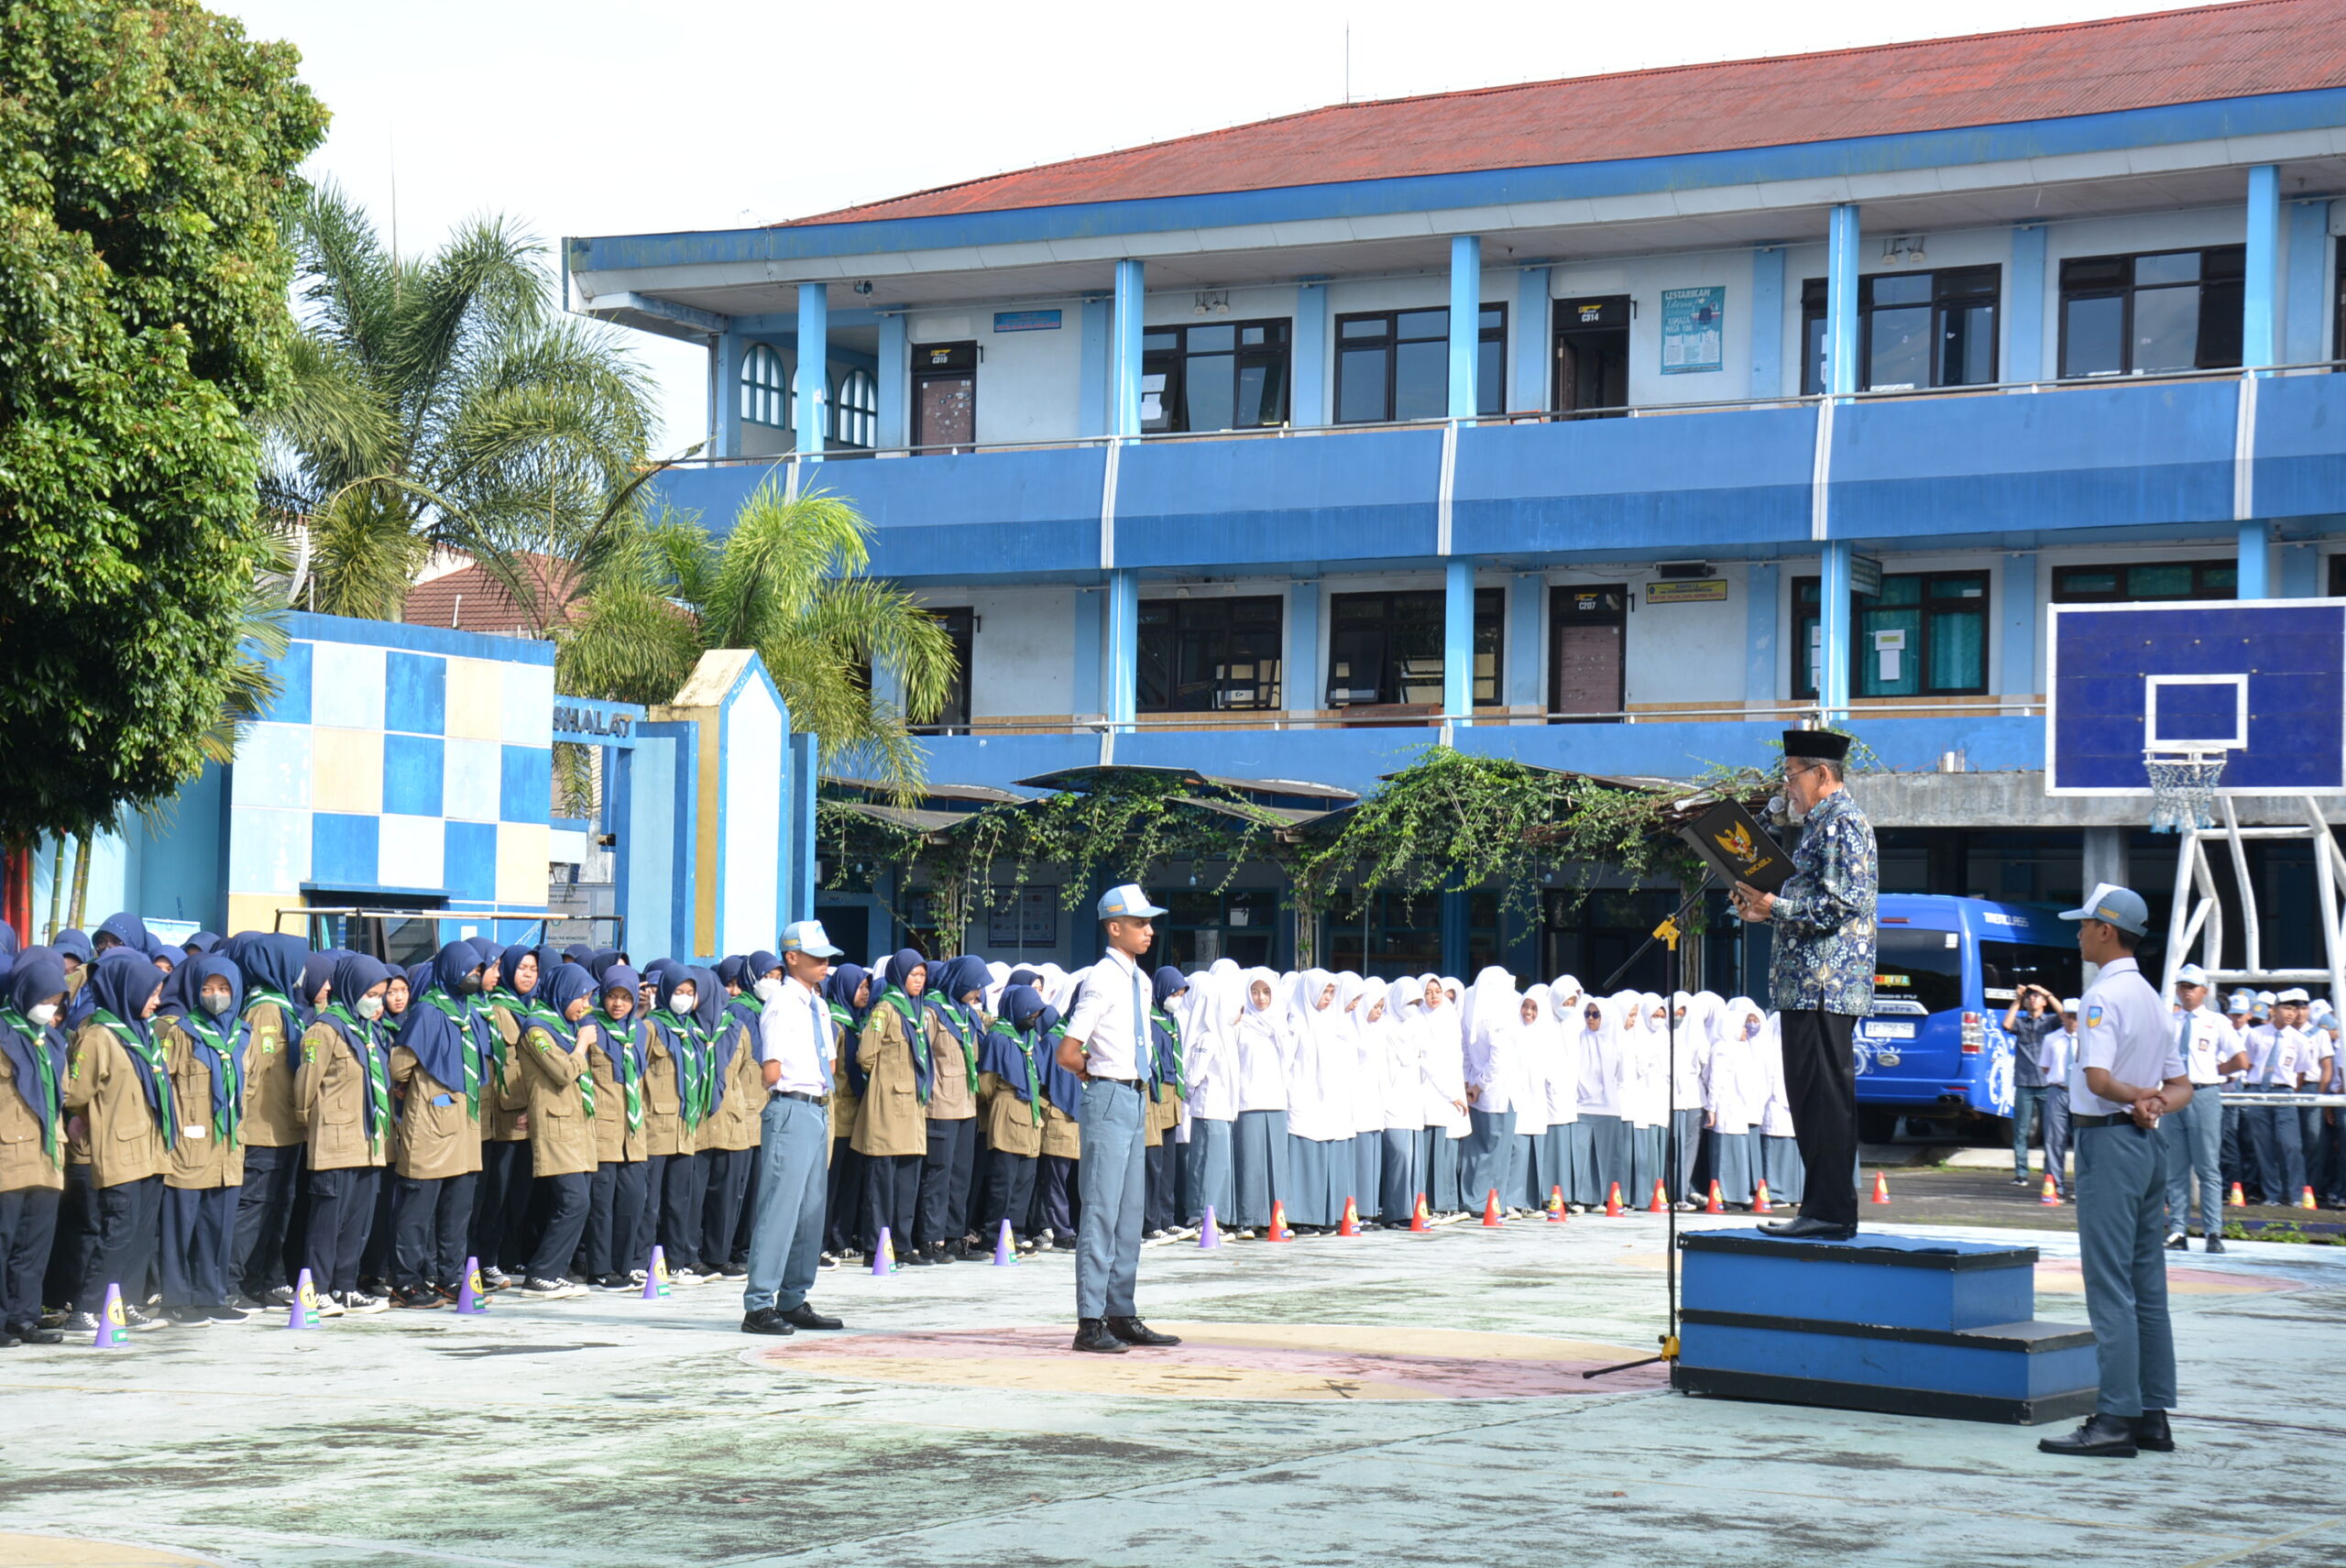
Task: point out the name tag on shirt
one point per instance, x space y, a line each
191 1131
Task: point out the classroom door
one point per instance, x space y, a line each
1586 623
1593 356
945 397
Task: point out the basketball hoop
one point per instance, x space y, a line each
2183 786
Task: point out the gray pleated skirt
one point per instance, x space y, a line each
1258 1162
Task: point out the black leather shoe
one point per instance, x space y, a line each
1093 1335
1132 1331
806 1317
2101 1437
2152 1434
2215 1243
765 1321
2178 1243
1808 1230
942 1252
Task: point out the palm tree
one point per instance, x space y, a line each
788 580
443 402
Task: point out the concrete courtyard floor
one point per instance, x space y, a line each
1314 1419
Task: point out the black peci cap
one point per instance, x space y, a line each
1821 744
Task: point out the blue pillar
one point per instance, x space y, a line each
2258 336
2023 357
1458 641
2255 563
1091 411
2309 251
1767 323
1088 603
1760 623
1308 363
895 382
1527 593
1465 320
1833 617
1124 356
2018 626
1841 301
1455 916
1534 347
1302 686
1122 678
812 384
725 407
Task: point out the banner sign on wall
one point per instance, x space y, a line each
1693 323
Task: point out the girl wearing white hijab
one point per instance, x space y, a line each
1401 1073
1735 1097
1494 1064
1535 1026
1698 1020
1319 1102
1211 1065
1605 1092
1364 1005
1561 1148
1650 1097
1443 1034
1259 1137
1787 1175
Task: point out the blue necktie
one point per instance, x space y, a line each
822 1033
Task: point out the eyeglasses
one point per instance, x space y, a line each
1793 772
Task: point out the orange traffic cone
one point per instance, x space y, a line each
2304 1200
1760 1204
1279 1233
1349 1224
2236 1198
1659 1205
1714 1206
2052 1199
1881 1187
1491 1209
1418 1217
1613 1201
1556 1215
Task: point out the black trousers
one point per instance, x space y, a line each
199 1230
76 1235
681 1191
129 1217
891 1194
945 1173
342 1209
843 1229
375 1263
1008 1194
502 1205
1160 1172
1820 1080
27 1228
565 1221
725 1178
614 1240
431 1222
263 1205
1054 1195
745 1222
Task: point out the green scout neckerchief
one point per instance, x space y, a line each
51 1112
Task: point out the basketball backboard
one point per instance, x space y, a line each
2263 680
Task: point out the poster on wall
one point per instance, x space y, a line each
1028 919
1694 325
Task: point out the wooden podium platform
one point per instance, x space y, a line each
1901 1324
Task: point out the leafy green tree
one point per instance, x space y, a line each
444 402
788 581
145 154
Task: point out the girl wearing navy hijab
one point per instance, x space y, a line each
1010 1086
737 1099
32 1139
343 1089
891 1129
675 1052
614 1194
1055 1172
442 1079
957 998
118 1089
847 992
561 1110
274 1133
501 1199
204 1040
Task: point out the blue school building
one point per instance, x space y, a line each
1610 423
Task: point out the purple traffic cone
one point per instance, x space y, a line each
113 1332
469 1298
1005 1250
884 1254
1208 1235
304 1313
655 1275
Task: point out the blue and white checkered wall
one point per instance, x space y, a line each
397 760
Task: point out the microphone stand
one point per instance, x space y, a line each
1668 933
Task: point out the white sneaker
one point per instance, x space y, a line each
688 1277
358 1304
326 1307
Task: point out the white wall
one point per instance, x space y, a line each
1022 660
1026 380
751 915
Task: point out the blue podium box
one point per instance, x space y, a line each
1900 1324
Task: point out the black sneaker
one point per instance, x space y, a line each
915 1257
81 1323
33 1333
229 1315
416 1299
2178 1243
189 1316
2215 1243
734 1271
283 1295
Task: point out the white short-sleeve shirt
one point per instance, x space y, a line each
2125 1028
1111 1017
795 1030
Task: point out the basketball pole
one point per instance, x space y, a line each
2198 912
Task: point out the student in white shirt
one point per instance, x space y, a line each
2057 1048
795 1050
2193 1136
1259 1136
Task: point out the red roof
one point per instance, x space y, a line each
470 599
2079 68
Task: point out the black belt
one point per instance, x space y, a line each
1127 1082
2121 1119
794 1094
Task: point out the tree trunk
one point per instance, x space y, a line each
56 891
77 915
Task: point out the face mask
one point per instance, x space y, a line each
44 1014
468 986
684 1001
215 1003
768 989
370 1007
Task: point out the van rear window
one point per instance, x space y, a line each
1918 971
2005 967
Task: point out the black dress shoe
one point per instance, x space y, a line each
806 1317
766 1320
2178 1243
33 1333
2101 1437
1093 1335
2152 1434
2215 1243
1808 1230
915 1258
1132 1331
942 1252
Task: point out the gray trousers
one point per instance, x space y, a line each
2193 1138
786 1238
1207 1178
2121 1237
2056 1137
1111 1179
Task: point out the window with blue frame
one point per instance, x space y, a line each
765 387
1925 634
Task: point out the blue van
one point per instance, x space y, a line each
1945 969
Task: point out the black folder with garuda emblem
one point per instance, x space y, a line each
1737 848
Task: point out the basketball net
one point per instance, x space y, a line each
2183 786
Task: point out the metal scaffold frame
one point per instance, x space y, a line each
2199 914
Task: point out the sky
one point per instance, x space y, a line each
596 117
